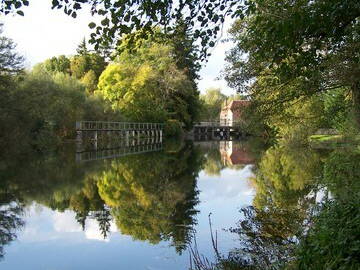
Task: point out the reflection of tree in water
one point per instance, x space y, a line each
342 173
286 226
286 184
103 217
153 196
11 221
213 164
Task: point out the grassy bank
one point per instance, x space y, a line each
326 141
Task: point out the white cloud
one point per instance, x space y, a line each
65 222
230 184
92 230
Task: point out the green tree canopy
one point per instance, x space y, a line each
293 49
11 62
58 64
82 48
147 85
90 81
119 18
212 102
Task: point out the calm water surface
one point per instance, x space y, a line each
121 209
137 211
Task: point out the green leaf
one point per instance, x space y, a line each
92 25
55 3
20 12
105 22
18 5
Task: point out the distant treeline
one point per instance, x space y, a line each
154 82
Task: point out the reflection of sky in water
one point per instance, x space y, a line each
53 240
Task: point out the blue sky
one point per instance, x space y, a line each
43 33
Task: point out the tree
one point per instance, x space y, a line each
11 63
337 109
185 50
90 81
79 65
212 103
106 49
126 16
295 49
58 64
184 54
82 64
82 48
186 57
146 85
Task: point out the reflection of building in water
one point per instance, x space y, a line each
234 153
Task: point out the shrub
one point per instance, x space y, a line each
334 240
172 128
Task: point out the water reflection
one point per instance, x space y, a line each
150 196
292 184
10 221
161 198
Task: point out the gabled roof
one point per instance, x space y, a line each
234 104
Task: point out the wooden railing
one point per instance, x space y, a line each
116 126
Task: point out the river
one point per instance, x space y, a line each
144 210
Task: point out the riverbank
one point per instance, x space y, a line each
332 141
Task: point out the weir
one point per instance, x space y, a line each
217 130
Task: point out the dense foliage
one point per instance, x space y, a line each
333 241
147 86
212 101
40 108
292 53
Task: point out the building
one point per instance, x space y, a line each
231 112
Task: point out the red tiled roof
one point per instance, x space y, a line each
235 104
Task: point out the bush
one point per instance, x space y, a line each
172 128
334 240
